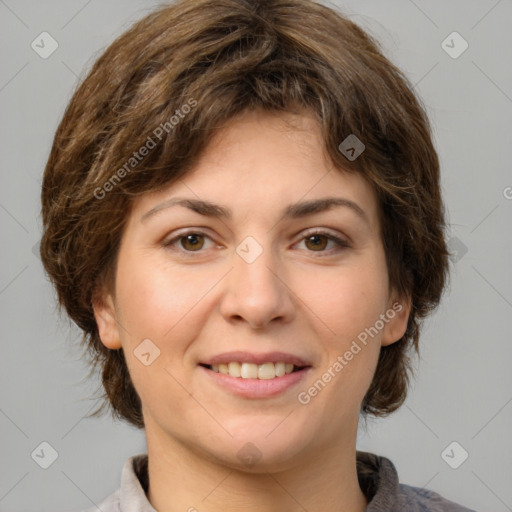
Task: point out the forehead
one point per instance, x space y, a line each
263 161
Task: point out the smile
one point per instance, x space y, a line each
265 371
253 387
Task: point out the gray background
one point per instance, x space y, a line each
463 387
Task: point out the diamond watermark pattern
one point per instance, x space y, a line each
45 455
454 455
44 45
249 249
35 249
457 249
249 454
454 45
351 147
146 352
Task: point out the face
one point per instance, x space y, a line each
271 274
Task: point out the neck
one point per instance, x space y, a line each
182 479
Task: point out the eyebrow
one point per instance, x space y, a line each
293 211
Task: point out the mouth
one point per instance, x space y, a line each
256 375
255 381
264 371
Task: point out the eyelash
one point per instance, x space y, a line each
342 244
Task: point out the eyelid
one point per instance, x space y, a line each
327 232
342 243
182 233
340 240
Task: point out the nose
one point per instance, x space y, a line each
257 292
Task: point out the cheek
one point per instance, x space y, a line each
347 300
156 299
154 302
346 304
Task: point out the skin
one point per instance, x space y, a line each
297 297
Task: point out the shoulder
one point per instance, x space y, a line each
424 500
379 481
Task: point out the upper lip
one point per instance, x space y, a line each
248 357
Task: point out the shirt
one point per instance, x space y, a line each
377 476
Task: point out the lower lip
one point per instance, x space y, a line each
257 388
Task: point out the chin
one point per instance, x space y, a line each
261 445
257 457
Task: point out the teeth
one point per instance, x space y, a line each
234 369
280 369
249 371
266 371
263 371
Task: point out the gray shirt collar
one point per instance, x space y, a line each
377 476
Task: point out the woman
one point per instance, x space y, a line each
242 212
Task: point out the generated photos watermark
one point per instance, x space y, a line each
145 149
335 368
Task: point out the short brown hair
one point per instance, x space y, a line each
222 58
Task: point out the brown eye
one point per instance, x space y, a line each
316 242
189 243
192 241
324 243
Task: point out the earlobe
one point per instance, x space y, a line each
105 315
397 317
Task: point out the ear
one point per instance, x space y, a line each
397 316
105 315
